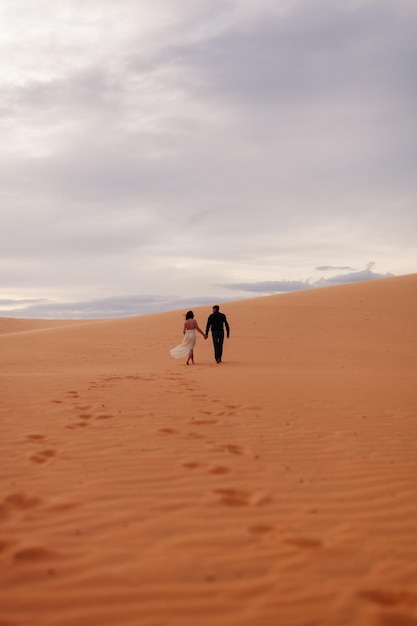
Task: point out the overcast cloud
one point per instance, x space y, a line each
169 154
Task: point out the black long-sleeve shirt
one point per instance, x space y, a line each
217 321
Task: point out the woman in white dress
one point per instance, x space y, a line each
186 348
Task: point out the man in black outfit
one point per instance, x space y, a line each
217 321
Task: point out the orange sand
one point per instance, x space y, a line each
278 488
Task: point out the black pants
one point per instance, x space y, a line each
218 338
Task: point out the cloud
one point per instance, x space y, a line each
272 286
283 286
352 277
329 268
203 144
22 303
115 307
126 306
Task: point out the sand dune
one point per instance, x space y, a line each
277 488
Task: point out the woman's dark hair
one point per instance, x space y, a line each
189 315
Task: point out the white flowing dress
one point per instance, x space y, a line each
187 344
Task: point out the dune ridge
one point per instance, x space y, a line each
278 487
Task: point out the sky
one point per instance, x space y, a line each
168 154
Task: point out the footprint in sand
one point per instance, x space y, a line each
195 436
304 542
168 431
86 416
395 619
193 465
36 438
17 502
201 422
43 456
140 377
21 501
72 394
35 553
260 529
218 469
5 544
239 497
389 598
212 469
234 449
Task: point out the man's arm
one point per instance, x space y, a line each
208 324
226 323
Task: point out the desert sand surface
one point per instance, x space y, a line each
278 488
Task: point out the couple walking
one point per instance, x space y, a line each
216 321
